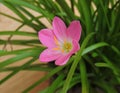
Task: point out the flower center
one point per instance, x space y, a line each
67 46
64 47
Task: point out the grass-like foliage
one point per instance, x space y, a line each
95 67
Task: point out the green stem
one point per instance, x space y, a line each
84 80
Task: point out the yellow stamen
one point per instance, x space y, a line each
56 48
67 46
62 51
56 41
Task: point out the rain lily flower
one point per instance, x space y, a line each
61 42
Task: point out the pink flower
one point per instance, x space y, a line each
61 42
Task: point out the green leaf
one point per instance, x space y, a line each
14 59
55 83
98 64
2 51
84 79
15 10
86 12
115 49
33 7
36 19
19 57
75 80
44 91
11 17
93 47
66 9
106 86
105 14
24 42
36 67
18 33
21 51
114 68
11 6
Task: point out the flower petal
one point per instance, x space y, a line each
59 28
74 30
62 60
76 46
46 37
49 55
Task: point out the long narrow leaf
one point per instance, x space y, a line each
93 47
18 33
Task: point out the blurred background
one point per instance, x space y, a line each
23 79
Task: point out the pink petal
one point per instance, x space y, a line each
62 60
76 47
59 28
49 55
74 30
46 37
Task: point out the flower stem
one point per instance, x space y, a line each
84 80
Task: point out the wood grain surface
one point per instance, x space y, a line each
23 79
